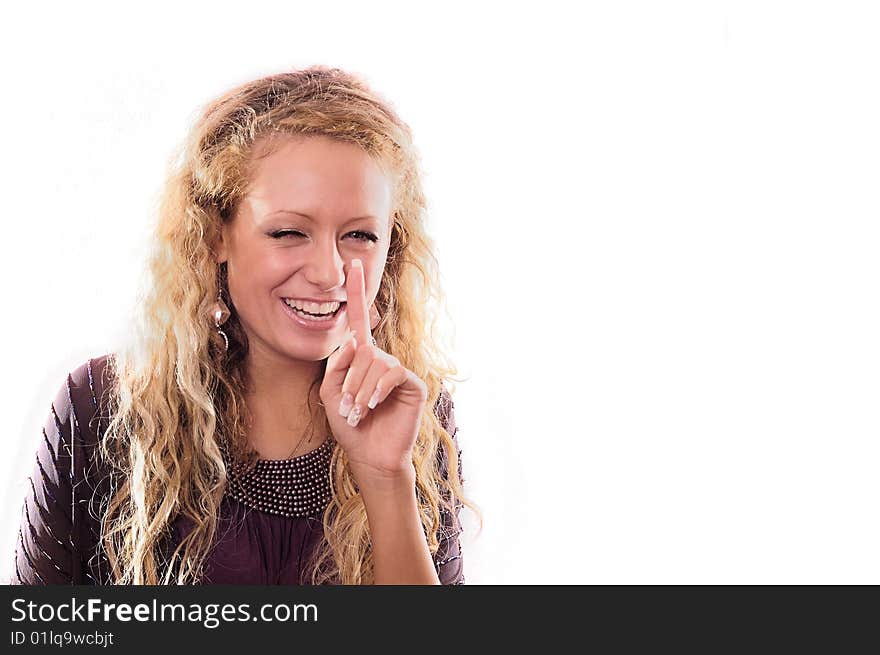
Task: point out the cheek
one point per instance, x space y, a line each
373 282
270 270
254 280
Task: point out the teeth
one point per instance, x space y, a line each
309 317
313 307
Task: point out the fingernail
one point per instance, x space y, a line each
374 399
355 416
345 405
357 262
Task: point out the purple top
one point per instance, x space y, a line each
270 518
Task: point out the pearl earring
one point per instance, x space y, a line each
220 313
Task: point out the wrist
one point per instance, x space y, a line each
395 483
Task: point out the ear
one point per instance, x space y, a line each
221 250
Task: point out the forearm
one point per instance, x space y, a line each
400 550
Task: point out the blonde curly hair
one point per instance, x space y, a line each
179 396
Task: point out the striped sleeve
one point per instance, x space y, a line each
448 558
48 547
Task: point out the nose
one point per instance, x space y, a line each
326 268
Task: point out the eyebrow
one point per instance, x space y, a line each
304 215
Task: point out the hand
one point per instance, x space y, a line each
379 444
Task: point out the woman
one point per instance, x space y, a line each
281 417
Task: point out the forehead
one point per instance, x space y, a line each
318 176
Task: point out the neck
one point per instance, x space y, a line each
278 400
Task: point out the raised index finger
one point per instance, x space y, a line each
358 316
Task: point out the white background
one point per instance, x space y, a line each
658 227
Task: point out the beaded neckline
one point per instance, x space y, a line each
294 487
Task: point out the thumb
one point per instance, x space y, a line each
337 366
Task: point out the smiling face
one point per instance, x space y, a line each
312 206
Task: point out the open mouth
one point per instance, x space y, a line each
309 316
